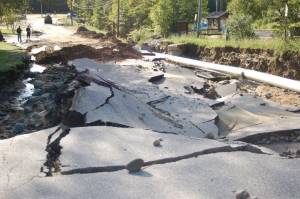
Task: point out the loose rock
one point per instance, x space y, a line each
157 143
135 165
269 95
242 195
19 128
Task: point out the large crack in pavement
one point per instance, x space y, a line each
107 99
224 149
85 78
74 119
54 151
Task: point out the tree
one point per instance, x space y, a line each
162 16
240 26
9 9
133 14
100 12
166 13
244 8
277 13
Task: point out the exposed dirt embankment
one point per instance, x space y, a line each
286 64
117 51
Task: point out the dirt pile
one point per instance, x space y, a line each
286 64
116 52
84 32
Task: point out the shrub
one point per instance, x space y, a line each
240 26
142 34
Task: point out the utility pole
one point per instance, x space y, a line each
42 8
286 14
26 6
199 17
71 12
118 20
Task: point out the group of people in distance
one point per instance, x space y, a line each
19 33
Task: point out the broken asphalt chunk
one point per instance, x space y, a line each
156 78
228 89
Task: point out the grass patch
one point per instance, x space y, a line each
10 57
63 19
276 44
97 30
6 31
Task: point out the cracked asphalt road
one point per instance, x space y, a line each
187 165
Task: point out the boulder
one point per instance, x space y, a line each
48 19
135 165
242 195
19 128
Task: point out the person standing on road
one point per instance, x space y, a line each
19 32
1 36
28 30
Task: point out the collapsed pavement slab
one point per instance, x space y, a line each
246 115
125 97
108 146
21 160
207 176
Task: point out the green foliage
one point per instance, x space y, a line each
10 17
166 13
133 14
268 12
276 13
243 8
142 34
240 26
99 16
10 57
276 44
162 15
9 10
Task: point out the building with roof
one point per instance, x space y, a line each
217 16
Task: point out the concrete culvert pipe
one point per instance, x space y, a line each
274 80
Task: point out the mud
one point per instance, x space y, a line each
84 32
116 52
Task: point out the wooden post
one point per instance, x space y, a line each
72 12
118 20
42 8
199 17
286 14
